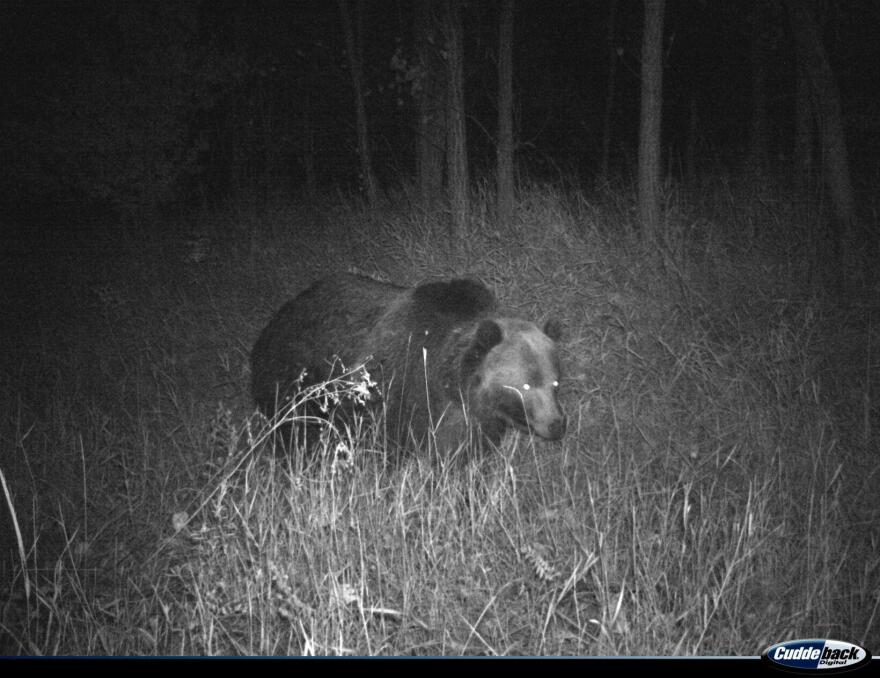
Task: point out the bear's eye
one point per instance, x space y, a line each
555 384
526 387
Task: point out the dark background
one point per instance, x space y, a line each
138 103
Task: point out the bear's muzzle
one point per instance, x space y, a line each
556 429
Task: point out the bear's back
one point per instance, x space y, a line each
461 299
425 317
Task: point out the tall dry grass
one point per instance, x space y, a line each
713 495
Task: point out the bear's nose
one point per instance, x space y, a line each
557 429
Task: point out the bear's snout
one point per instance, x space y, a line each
547 418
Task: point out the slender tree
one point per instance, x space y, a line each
505 114
355 62
651 116
611 86
308 149
456 141
431 102
758 136
825 101
690 149
804 129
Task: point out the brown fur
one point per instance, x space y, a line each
448 363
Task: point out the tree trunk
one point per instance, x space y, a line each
456 143
431 123
826 107
355 62
505 115
758 137
609 94
308 151
690 149
804 131
651 116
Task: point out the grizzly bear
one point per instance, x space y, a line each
450 366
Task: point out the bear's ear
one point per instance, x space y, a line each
553 329
487 337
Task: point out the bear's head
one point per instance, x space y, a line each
512 375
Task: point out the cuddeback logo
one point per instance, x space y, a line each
807 656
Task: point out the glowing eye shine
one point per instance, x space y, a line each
555 384
526 387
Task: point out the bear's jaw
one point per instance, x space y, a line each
555 431
515 416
